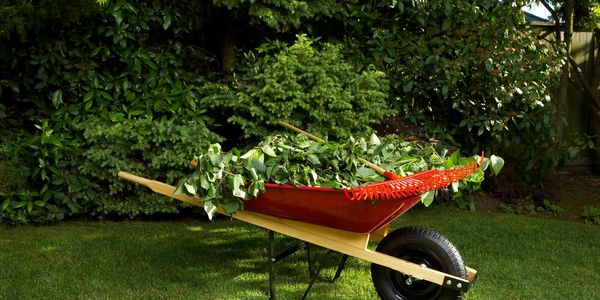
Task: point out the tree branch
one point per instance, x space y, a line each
577 85
551 10
594 98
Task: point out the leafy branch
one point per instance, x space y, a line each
228 178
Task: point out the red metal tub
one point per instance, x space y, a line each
328 207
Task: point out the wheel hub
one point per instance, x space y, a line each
416 288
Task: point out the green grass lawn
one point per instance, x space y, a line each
517 258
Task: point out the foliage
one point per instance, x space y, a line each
455 67
314 88
586 13
25 18
279 15
465 68
122 62
591 214
227 178
530 207
13 180
160 150
580 16
13 174
45 160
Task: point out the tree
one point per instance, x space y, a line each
22 17
465 70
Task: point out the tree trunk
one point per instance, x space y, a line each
563 93
229 47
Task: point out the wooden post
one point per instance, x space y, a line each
563 94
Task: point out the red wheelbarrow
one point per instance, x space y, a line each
408 263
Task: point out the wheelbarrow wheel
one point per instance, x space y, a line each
424 247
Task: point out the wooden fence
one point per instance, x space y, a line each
578 114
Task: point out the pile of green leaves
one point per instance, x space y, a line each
228 178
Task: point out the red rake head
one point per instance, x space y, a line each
412 185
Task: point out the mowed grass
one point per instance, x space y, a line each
517 258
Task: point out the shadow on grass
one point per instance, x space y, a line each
201 259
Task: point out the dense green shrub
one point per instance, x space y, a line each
114 63
469 69
13 181
153 149
13 174
23 19
310 86
458 67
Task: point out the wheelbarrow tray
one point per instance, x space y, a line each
343 241
328 207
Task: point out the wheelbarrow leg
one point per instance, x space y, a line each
271 250
340 268
309 260
315 276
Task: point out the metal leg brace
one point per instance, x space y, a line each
314 274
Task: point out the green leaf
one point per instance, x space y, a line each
137 66
5 204
258 165
118 16
57 98
497 163
116 116
256 187
190 188
375 139
210 209
130 7
166 22
238 181
268 151
455 186
20 204
136 112
204 183
313 159
364 172
248 154
88 96
429 59
427 198
180 189
231 206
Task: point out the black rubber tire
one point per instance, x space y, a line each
421 246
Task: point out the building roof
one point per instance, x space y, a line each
533 18
537 21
